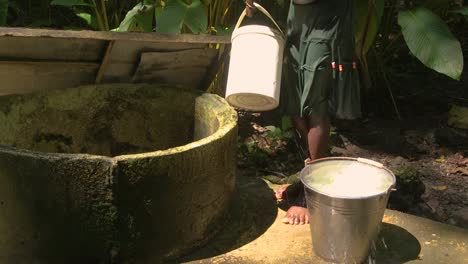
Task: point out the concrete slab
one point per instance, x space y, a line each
254 234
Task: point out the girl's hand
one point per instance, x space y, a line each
249 6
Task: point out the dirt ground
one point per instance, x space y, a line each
429 157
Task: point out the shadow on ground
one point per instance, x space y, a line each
253 211
396 245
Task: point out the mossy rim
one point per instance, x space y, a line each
226 118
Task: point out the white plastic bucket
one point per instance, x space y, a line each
254 77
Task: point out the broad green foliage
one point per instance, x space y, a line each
96 11
177 14
427 36
172 16
431 41
140 18
169 16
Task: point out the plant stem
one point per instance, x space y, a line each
388 19
101 25
365 32
387 83
104 15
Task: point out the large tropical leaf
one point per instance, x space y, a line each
196 18
178 13
367 23
430 40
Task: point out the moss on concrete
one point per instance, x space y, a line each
111 120
199 181
53 205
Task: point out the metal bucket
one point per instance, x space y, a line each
346 220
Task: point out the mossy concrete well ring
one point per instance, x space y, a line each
120 173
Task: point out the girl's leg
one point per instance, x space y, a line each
301 126
318 137
302 130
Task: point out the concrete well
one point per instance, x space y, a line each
124 173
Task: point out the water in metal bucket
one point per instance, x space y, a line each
346 198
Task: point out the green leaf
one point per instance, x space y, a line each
286 123
70 3
86 17
172 17
430 40
145 21
157 12
129 21
196 18
367 24
177 13
138 19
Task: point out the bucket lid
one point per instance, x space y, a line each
252 101
347 177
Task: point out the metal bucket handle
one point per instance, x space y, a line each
370 162
264 11
376 164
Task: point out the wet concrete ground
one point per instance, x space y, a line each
254 234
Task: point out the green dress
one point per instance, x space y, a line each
319 74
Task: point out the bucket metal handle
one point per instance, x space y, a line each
264 11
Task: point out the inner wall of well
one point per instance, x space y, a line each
107 120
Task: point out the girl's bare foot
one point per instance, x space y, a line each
297 215
290 190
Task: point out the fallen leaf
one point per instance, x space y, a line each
463 171
440 188
441 159
463 162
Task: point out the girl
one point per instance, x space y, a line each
320 80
